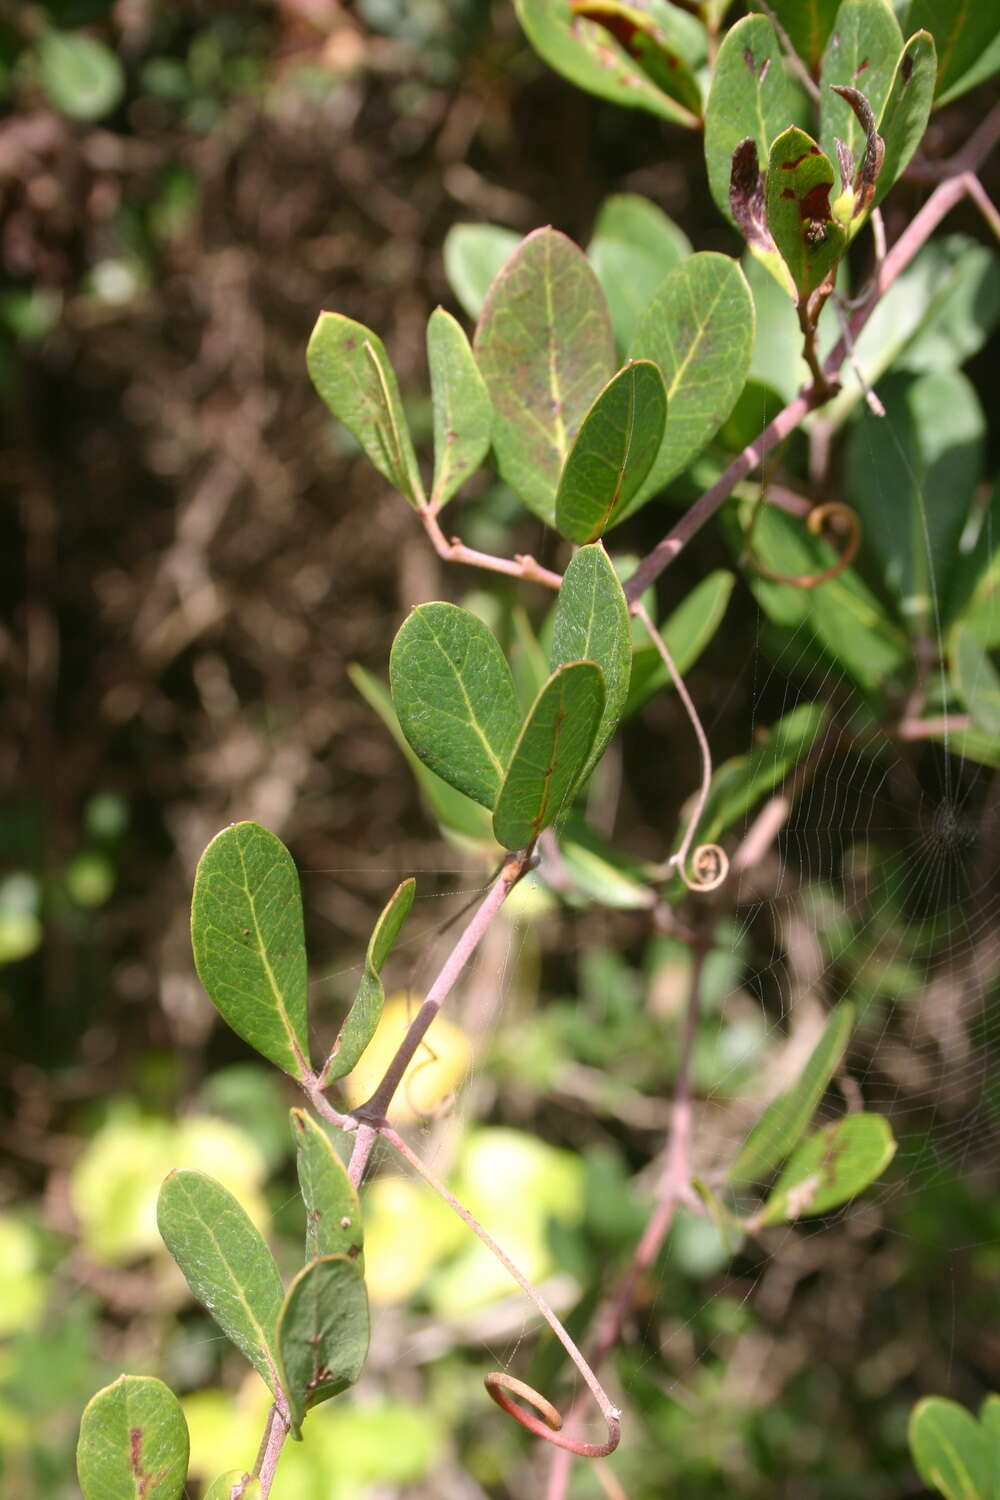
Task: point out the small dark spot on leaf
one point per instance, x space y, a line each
906 67
788 192
135 1448
861 68
760 73
350 343
789 166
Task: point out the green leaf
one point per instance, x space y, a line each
978 682
830 1167
752 96
687 632
333 1212
460 818
666 42
222 1488
364 1015
599 872
861 53
473 254
322 1333
225 1263
350 369
613 452
950 1449
587 54
454 694
133 1442
989 1420
797 194
551 754
911 476
463 412
591 624
633 247
545 348
80 76
962 33
699 329
907 109
807 24
740 783
780 1127
249 942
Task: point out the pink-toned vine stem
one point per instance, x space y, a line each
674 1189
371 1114
610 1413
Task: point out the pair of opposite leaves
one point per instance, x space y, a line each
454 696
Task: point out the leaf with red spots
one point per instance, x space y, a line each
799 182
666 42
861 53
753 96
333 1213
322 1333
591 56
133 1442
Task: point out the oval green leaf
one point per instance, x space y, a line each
551 754
699 330
797 194
951 1450
780 1127
225 1263
634 245
249 942
364 1015
222 1488
350 369
612 453
831 1167
545 348
453 693
463 412
133 1442
907 109
752 97
80 76
473 254
333 1212
322 1333
587 54
861 53
591 624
